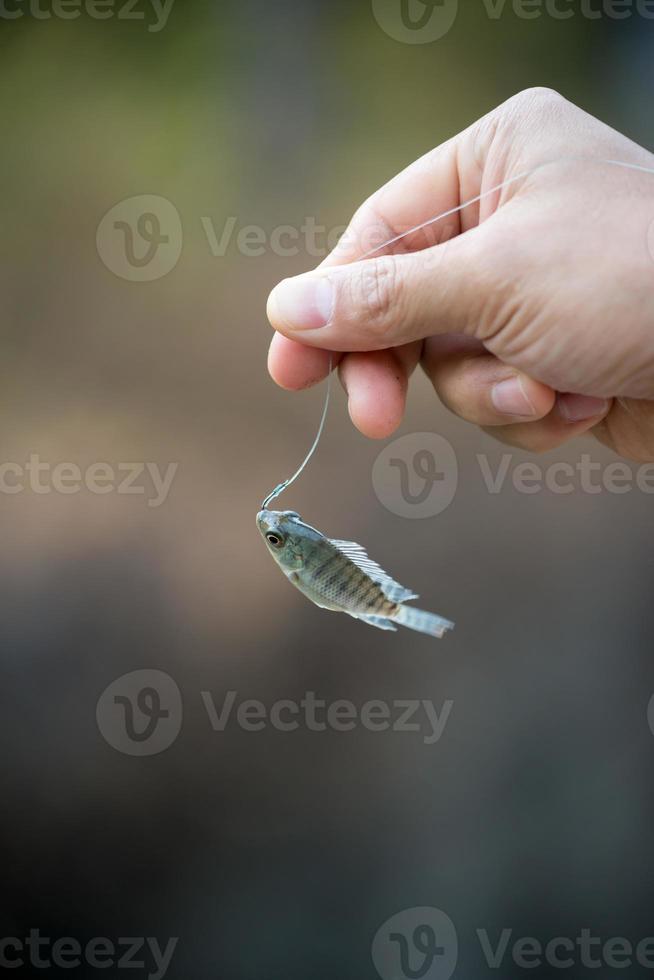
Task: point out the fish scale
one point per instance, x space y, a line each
351 584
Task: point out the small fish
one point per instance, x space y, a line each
338 575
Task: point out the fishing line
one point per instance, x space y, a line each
500 187
286 483
412 231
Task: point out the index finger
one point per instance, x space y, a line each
431 185
434 184
398 217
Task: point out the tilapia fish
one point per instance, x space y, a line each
339 575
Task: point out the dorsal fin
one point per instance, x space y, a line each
391 589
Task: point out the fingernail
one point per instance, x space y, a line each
303 303
579 408
509 398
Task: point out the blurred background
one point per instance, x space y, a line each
142 339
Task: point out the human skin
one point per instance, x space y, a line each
531 311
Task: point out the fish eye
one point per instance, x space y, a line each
273 539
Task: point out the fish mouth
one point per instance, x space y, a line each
266 520
274 520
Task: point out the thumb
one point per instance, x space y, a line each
390 300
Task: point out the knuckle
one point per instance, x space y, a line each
377 293
539 95
532 105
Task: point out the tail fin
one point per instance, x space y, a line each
422 622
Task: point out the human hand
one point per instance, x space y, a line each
531 311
